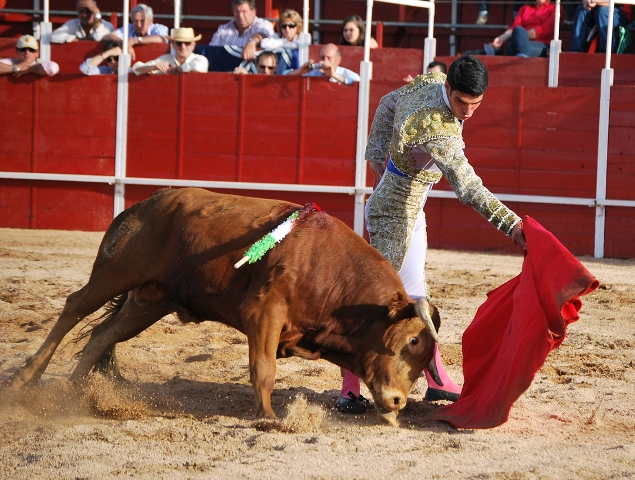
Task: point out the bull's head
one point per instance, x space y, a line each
408 345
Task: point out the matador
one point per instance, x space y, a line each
415 140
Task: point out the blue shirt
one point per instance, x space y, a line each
349 75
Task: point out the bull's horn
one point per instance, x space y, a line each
434 373
423 311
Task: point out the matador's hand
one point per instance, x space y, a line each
518 236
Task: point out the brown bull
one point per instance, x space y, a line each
322 292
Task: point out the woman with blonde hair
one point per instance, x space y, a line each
354 32
289 29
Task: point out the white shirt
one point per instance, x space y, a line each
51 68
193 63
73 29
155 29
271 43
228 34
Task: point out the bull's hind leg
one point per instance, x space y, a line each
263 327
78 305
107 364
144 306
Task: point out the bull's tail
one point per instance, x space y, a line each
111 309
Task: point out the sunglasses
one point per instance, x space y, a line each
266 67
287 25
112 59
178 44
27 49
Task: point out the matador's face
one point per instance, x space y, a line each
462 104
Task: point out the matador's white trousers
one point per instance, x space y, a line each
412 271
412 274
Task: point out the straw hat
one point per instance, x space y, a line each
27 41
184 34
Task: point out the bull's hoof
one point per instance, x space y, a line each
388 416
353 404
434 394
18 381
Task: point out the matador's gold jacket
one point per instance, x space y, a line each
415 119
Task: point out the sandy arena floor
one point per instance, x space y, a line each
188 411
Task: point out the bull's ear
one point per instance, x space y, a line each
397 305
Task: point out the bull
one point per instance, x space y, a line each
322 292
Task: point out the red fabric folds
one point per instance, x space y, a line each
515 329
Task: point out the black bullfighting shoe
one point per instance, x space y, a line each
353 404
434 394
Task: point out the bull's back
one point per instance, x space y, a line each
185 228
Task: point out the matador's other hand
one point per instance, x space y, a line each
378 172
518 236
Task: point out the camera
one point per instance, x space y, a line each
315 66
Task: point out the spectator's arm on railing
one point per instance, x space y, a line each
62 35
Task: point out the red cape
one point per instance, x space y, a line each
515 329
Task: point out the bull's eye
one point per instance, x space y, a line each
414 341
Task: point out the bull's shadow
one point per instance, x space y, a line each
203 400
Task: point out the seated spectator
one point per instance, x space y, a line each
329 67
289 29
246 30
432 67
141 30
595 14
436 67
27 60
354 32
531 32
87 26
266 63
184 59
110 55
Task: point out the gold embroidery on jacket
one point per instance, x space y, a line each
417 115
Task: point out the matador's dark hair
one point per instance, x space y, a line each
468 74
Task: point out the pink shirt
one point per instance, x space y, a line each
51 68
541 17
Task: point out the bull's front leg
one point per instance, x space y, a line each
263 329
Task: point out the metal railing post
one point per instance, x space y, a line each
121 148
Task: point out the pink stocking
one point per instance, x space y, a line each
350 383
448 384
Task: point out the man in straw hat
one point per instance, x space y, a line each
27 60
184 59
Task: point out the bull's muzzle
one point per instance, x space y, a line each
388 416
388 403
